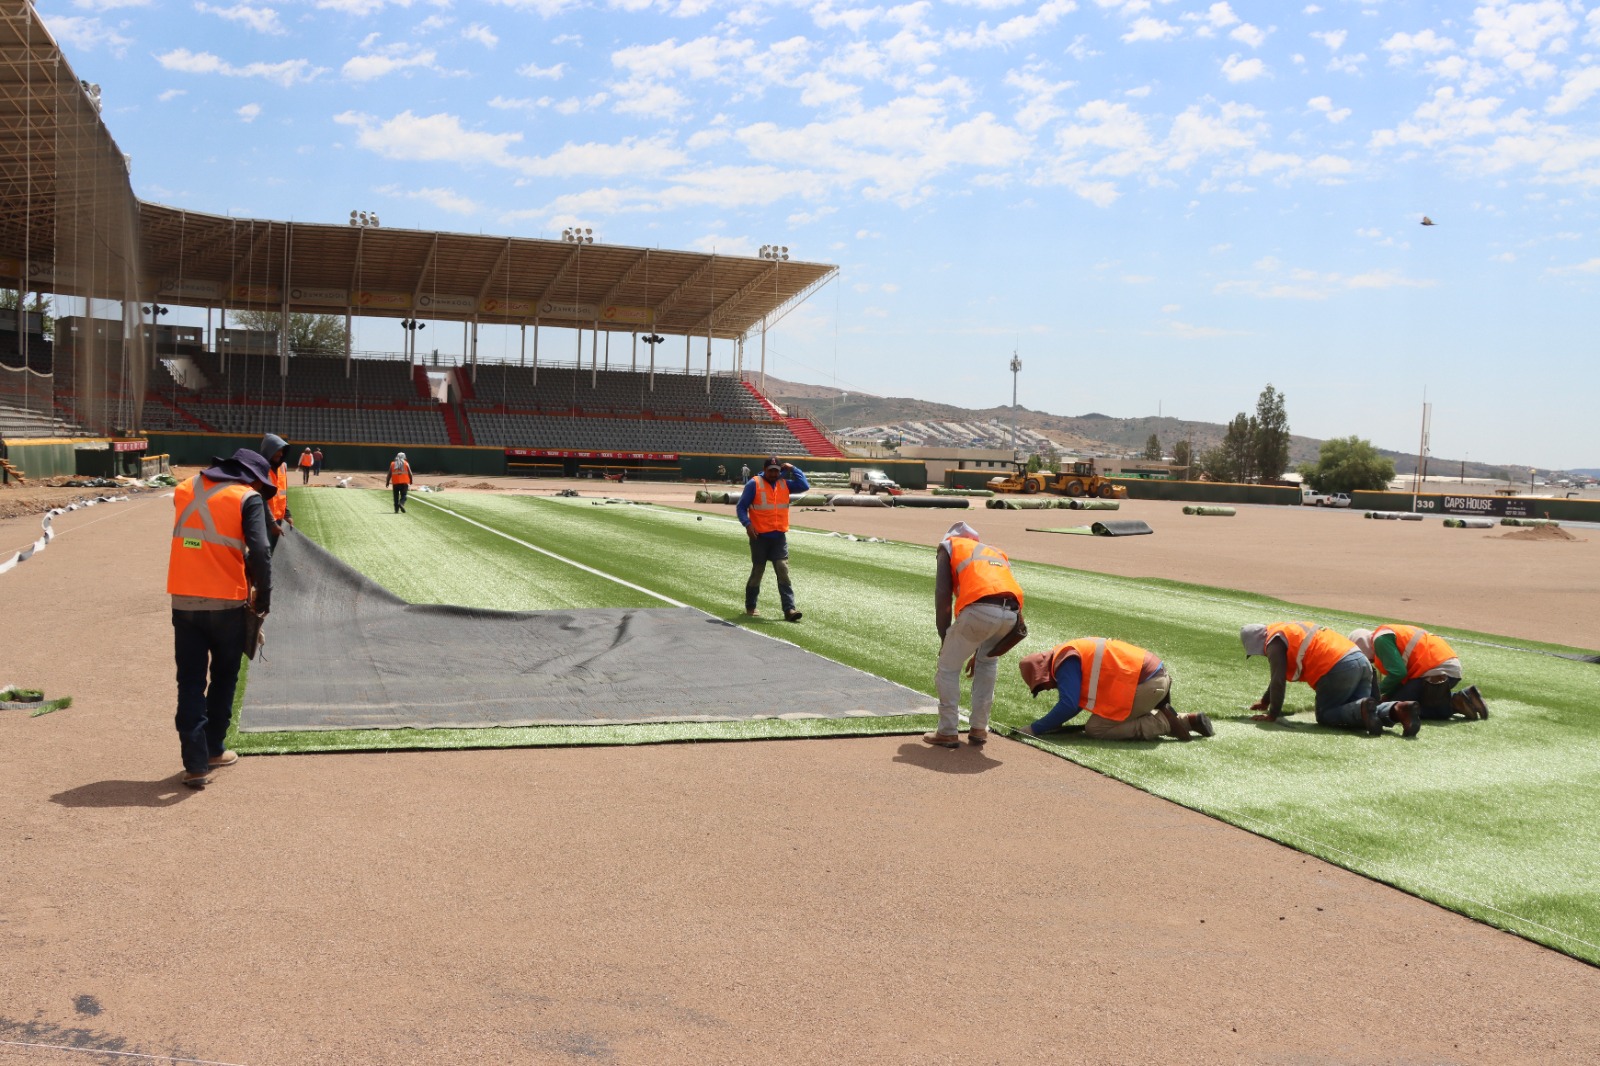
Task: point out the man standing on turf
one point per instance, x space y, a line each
276 451
305 466
1416 665
219 567
977 579
764 512
1334 668
400 480
1126 690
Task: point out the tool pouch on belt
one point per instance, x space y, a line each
254 640
1019 632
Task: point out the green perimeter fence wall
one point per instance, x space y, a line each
1465 506
1147 489
193 449
62 457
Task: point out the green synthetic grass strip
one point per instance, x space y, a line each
1496 819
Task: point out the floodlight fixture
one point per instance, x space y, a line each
578 235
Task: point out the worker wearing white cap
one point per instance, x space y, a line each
400 480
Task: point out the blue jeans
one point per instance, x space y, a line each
1432 697
1341 690
773 548
206 643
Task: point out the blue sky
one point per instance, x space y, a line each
1157 204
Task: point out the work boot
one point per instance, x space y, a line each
1177 724
942 740
977 737
1371 718
792 615
1201 723
197 781
1407 715
1469 702
227 758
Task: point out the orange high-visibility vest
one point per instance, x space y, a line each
279 504
400 473
1111 671
1312 649
207 556
769 510
305 459
1421 650
979 570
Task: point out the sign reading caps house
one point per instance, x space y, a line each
559 453
1480 506
431 301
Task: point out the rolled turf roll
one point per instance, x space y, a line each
1410 517
929 501
850 499
1094 505
1124 528
805 499
940 490
1529 522
1468 523
1221 512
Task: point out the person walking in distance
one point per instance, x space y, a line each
399 480
279 521
316 462
764 512
978 611
306 462
219 568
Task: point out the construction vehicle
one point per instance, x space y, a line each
1022 480
1082 479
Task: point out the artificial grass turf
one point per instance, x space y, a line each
1494 819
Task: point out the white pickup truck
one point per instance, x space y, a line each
863 479
1309 498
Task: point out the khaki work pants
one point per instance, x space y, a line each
1145 723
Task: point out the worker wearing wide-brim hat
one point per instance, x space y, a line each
1335 669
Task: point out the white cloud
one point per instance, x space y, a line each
1575 91
1295 283
1402 46
1237 70
1515 34
1252 36
1504 257
1038 94
1334 39
1325 105
1591 266
1171 309
1013 30
1347 64
84 33
1150 29
172 94
534 70
285 73
1216 17
429 138
260 19
1310 9
480 33
108 5
1137 279
249 112
444 199
386 60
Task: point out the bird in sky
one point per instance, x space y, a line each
1426 221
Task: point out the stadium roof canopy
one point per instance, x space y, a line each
50 127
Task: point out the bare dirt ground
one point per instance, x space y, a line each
786 902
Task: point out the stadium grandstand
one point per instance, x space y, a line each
125 319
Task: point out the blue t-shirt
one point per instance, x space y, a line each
794 479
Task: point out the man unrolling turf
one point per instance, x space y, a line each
399 480
1416 665
1126 690
764 512
1334 668
219 566
977 607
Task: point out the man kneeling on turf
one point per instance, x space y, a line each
1334 668
1126 690
1414 664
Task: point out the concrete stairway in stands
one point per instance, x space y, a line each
816 441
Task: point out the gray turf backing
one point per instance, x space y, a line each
345 653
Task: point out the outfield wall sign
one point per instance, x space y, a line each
1479 506
560 453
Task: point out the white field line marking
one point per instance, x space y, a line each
124 1054
553 555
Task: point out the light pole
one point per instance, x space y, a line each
364 219
1016 367
775 252
578 235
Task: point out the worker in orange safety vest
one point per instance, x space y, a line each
978 612
1414 664
307 460
399 480
219 568
1126 690
279 520
763 510
1334 667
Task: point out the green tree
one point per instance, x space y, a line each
1271 451
1347 464
1034 462
40 307
1217 465
308 334
1152 448
1182 460
1239 442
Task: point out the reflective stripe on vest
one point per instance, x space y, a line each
769 507
1109 680
279 504
400 473
208 547
973 583
1422 651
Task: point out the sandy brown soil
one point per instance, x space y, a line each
785 902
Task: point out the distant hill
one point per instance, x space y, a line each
1088 434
